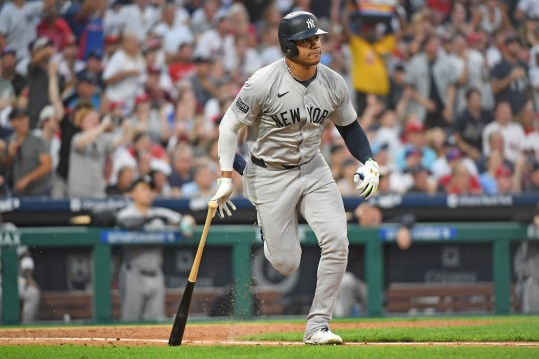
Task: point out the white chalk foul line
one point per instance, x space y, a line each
270 343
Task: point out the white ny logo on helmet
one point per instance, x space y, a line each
310 23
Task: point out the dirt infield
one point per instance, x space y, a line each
204 334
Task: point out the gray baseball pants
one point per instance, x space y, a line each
310 189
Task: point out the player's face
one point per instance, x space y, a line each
310 50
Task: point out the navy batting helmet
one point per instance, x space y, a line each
297 25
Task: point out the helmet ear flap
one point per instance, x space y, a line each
289 48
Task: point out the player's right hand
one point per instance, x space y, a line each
223 192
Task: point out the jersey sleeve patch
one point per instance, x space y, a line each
242 106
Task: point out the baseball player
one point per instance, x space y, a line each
285 106
142 283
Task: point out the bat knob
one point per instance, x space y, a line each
213 204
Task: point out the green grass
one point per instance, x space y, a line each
509 329
308 352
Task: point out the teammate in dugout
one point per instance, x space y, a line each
142 284
285 106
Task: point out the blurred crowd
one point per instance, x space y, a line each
95 93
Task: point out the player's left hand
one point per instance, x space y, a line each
223 193
366 178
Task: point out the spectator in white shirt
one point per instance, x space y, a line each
203 18
513 134
173 32
217 43
18 22
125 73
138 18
527 8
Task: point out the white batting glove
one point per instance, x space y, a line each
223 192
366 178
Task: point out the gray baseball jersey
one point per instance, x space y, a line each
286 119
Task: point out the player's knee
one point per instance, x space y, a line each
286 266
337 246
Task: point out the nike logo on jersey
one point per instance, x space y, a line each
279 95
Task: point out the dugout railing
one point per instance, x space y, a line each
241 239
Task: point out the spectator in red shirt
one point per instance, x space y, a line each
183 65
55 28
460 181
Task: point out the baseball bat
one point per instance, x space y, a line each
176 335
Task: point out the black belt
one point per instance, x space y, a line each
260 163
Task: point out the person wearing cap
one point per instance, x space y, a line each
29 291
415 139
125 73
94 65
368 50
142 284
509 79
38 78
460 181
8 71
29 157
85 90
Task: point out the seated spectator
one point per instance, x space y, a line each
469 125
513 134
8 61
182 65
416 140
204 182
182 162
460 181
160 170
346 184
443 165
495 169
422 182
526 176
124 180
29 158
142 143
149 120
85 91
